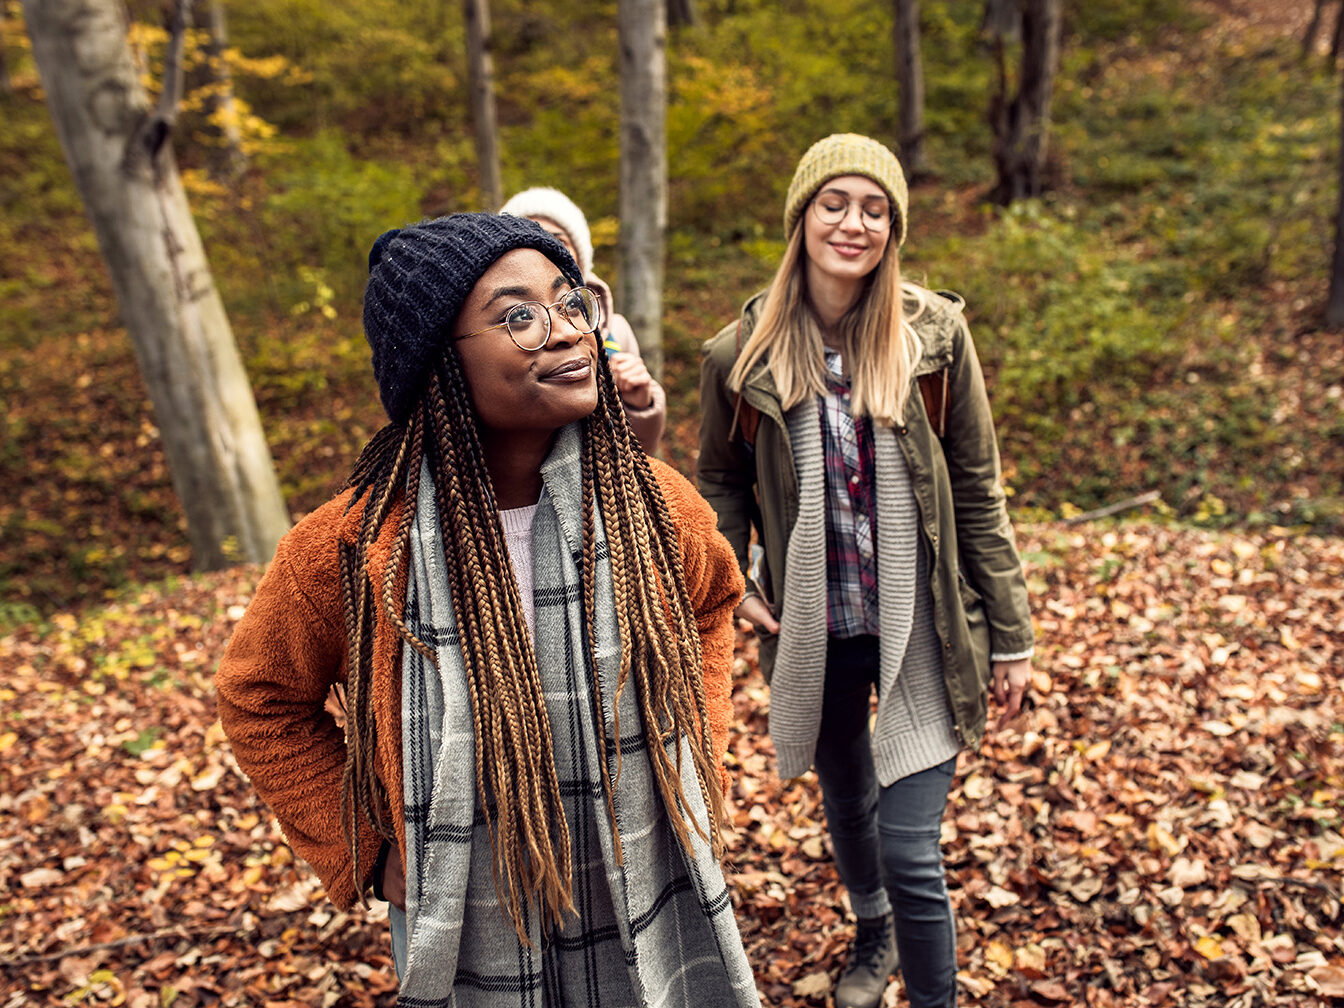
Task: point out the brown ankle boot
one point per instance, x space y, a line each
872 960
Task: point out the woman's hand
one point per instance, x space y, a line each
1010 685
754 610
633 380
393 882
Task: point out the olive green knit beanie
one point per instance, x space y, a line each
846 154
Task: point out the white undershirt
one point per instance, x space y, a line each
517 523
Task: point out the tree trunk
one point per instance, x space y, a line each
681 14
1337 39
643 203
127 177
481 77
1021 123
220 106
1313 26
6 84
1334 309
910 83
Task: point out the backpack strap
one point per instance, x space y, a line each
933 389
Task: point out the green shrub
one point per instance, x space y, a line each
327 205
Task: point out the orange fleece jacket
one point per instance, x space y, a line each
290 647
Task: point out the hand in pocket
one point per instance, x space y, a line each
393 882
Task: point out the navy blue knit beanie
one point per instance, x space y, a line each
419 278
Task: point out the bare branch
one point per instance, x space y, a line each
170 98
1151 497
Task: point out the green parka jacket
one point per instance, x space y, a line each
979 593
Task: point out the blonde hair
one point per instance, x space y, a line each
880 346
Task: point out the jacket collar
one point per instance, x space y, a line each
760 379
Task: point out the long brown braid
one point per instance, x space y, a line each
516 780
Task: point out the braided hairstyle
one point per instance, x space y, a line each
516 781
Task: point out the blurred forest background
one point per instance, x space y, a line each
1152 323
1164 826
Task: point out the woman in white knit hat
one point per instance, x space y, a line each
644 399
845 420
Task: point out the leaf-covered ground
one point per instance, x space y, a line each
1163 827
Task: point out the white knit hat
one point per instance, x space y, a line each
554 205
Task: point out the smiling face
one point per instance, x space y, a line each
518 392
846 252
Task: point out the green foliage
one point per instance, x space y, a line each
1144 326
326 207
368 66
200 116
43 224
1146 22
1087 313
143 741
18 614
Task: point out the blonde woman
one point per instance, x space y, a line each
845 421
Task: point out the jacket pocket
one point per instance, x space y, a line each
977 628
767 644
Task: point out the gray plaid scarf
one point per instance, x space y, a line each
662 934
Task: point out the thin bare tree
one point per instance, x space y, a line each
909 84
681 14
6 84
1020 120
117 147
1334 308
481 78
1313 26
643 201
220 105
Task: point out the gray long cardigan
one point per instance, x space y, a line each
975 576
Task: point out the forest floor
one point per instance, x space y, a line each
1161 827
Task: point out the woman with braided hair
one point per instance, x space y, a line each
532 621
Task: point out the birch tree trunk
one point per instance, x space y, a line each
910 83
643 202
1021 122
481 79
124 169
221 106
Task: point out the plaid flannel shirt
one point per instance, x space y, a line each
851 511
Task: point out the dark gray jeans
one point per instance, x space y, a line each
396 921
886 839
